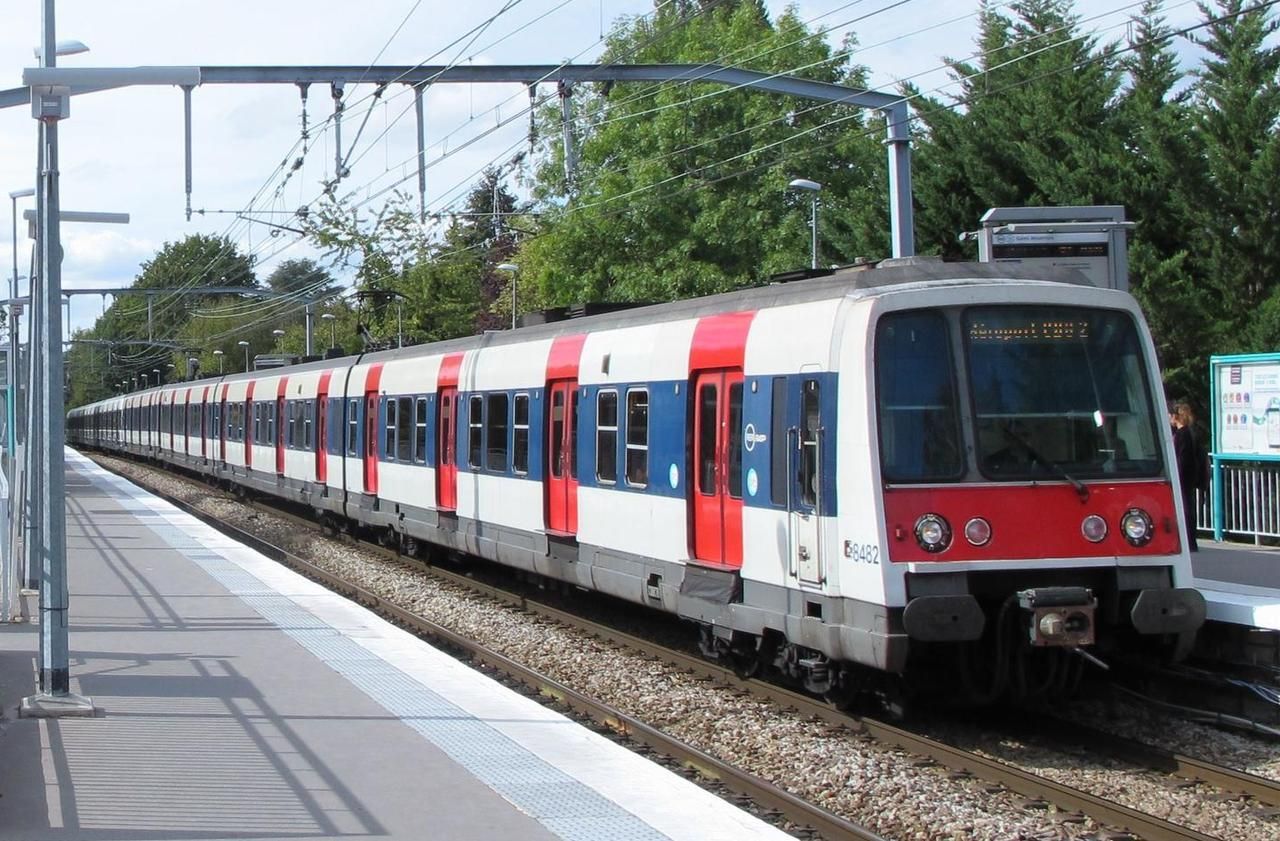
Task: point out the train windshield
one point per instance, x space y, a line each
1059 390
919 421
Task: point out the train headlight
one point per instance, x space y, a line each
933 533
1094 528
1137 527
977 531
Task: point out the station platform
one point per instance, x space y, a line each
237 699
1240 583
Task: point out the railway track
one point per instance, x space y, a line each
1035 788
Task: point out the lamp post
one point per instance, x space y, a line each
218 353
333 336
279 334
242 343
812 187
156 371
511 269
144 381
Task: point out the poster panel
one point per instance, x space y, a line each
1247 406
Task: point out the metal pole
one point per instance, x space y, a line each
422 153
566 117
399 326
55 672
186 115
813 223
513 300
310 326
901 218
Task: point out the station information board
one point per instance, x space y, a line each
1246 397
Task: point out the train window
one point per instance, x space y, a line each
475 431
353 428
735 440
778 443
308 424
420 432
607 437
520 434
448 404
708 427
404 429
496 431
270 411
573 434
557 433
389 427
637 437
1060 390
810 432
916 398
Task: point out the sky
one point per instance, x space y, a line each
122 150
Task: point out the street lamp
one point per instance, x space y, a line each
63 48
804 184
218 353
144 380
331 318
156 371
511 268
242 343
279 334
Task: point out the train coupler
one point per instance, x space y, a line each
1059 616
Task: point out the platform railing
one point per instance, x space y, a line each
1250 502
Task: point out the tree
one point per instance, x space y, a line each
1037 125
304 279
135 334
1234 226
1160 185
680 188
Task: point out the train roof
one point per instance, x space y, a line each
871 278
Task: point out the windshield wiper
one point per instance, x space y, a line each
1082 490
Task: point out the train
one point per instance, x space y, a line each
910 478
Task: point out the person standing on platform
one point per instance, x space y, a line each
1192 463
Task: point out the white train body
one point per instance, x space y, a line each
810 471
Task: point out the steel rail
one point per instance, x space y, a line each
1024 783
794 809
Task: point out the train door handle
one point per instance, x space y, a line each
803 552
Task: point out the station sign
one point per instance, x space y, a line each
1246 405
1091 240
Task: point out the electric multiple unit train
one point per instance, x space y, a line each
945 476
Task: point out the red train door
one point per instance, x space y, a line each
322 439
322 429
248 427
278 443
717 467
446 448
371 442
223 420
204 424
562 456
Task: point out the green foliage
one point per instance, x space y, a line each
304 279
1032 124
125 336
680 188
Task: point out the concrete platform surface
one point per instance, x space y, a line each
1240 582
239 700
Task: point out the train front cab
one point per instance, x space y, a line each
1028 505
